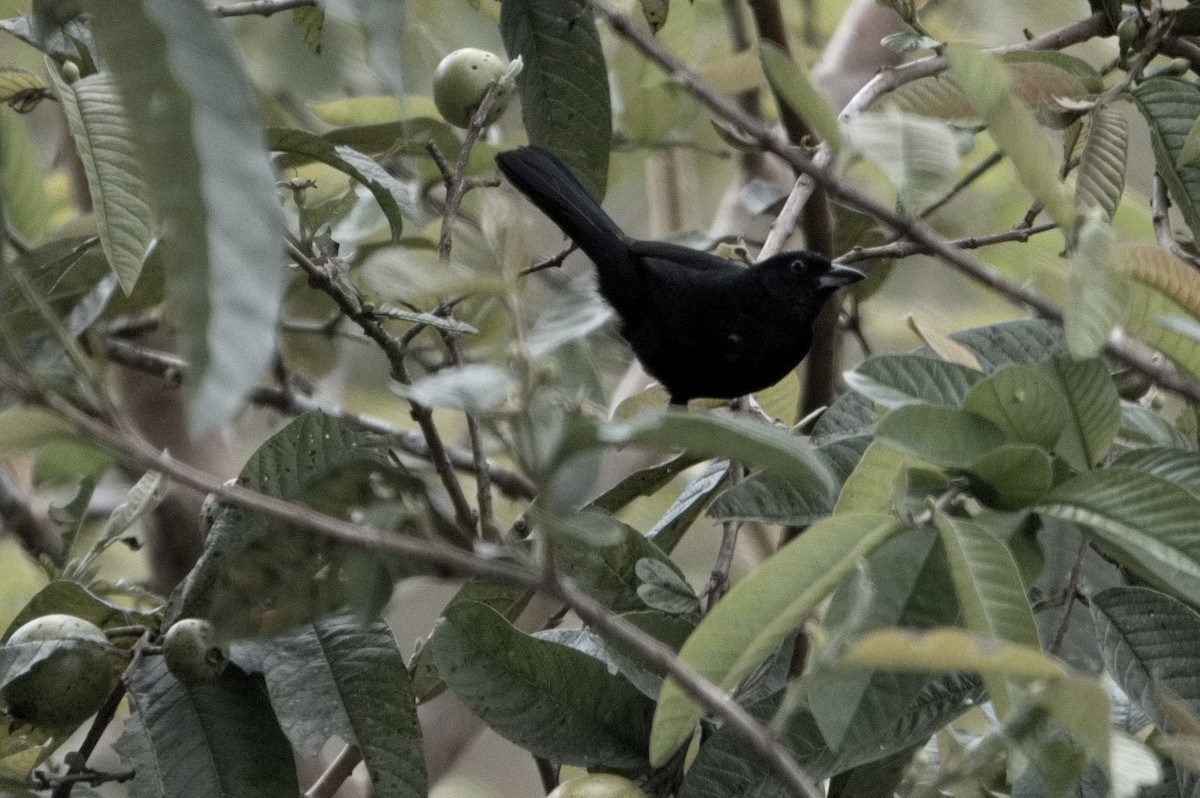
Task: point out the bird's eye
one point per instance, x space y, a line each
799 267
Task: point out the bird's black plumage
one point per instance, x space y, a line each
702 325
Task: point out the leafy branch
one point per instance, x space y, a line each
1128 352
550 582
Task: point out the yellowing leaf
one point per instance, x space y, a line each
946 650
1026 144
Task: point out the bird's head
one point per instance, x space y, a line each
804 277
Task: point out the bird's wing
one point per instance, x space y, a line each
660 255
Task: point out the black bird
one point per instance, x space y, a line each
702 325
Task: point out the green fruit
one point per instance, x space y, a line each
461 81
68 687
597 785
192 653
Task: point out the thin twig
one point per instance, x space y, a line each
902 249
718 580
1117 347
1072 590
320 278
483 485
456 183
713 699
550 263
978 171
329 782
171 369
1160 218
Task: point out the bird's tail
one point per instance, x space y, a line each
549 184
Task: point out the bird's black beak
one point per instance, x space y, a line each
838 276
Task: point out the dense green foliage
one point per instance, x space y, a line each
975 572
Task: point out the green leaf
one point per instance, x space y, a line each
871 485
100 129
919 156
473 388
71 598
254 572
1170 106
509 601
989 589
27 206
1174 465
792 85
643 483
1150 642
197 128
395 200
341 677
896 380
564 85
905 582
1164 300
743 439
312 20
217 738
1022 403
21 89
1101 174
609 572
775 499
762 609
945 436
1026 144
726 765
689 504
1013 475
1097 291
549 699
1146 523
1093 409
1019 341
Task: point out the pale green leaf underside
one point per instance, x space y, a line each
100 129
198 132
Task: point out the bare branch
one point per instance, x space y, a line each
336 774
902 249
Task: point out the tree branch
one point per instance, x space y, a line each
1118 347
713 699
171 369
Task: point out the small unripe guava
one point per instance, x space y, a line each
68 687
597 785
191 651
462 80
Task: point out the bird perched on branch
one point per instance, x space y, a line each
702 325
